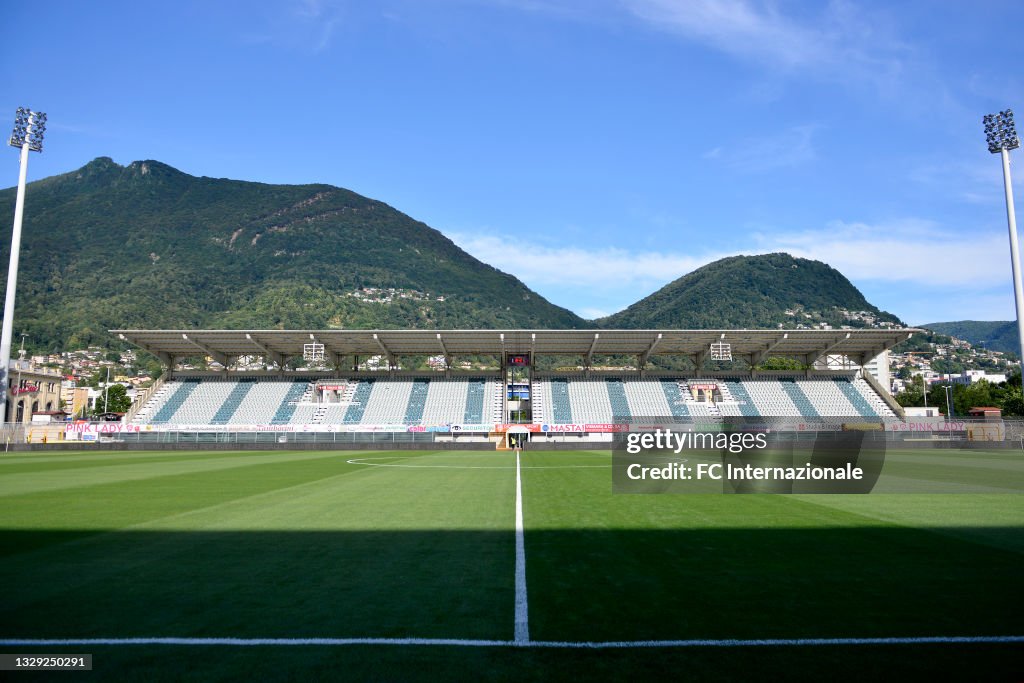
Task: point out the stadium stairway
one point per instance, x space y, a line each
674 397
695 407
743 399
728 406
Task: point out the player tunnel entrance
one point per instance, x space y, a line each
517 438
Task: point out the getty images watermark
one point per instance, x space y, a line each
743 456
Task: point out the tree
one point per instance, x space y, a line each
937 396
113 400
1013 403
781 363
913 395
975 395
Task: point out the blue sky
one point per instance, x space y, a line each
595 149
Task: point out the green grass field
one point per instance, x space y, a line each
297 545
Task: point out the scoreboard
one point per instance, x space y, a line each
518 360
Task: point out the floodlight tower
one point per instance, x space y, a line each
29 127
1001 136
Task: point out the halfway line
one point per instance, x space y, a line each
522 623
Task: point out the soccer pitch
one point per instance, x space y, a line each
411 565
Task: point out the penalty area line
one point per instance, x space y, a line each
581 645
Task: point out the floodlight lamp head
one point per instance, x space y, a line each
1000 133
29 127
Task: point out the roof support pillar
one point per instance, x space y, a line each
387 352
164 357
646 355
212 353
590 354
758 357
444 351
824 352
268 355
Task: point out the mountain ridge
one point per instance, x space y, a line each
995 335
109 246
750 291
147 245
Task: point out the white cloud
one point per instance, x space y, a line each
737 27
902 251
840 42
573 265
840 39
593 313
910 267
909 250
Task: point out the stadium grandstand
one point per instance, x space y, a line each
330 391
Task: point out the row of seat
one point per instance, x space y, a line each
357 401
587 400
559 400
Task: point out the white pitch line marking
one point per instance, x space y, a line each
554 644
522 622
364 461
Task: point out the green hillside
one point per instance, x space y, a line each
751 292
146 245
995 335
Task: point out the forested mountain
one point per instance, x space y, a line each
754 292
996 335
148 246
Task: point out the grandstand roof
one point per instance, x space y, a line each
756 345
